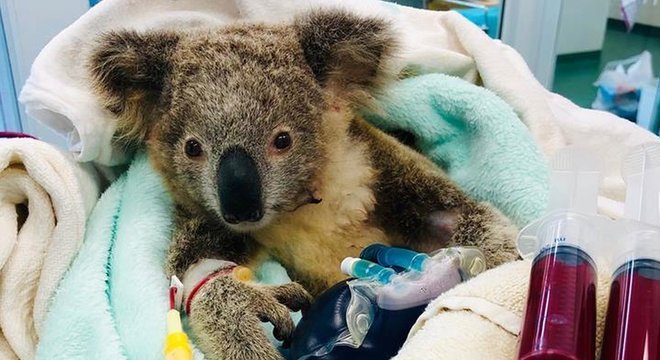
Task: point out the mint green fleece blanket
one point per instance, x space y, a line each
112 302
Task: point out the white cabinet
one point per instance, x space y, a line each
582 26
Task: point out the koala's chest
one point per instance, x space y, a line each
313 248
313 244
312 241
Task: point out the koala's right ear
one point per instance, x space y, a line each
129 72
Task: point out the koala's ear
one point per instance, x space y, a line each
129 71
344 49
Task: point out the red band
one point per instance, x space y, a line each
219 272
173 291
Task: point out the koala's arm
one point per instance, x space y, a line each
226 314
196 237
422 207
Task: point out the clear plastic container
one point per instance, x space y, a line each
414 289
441 271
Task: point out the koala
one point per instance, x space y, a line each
256 132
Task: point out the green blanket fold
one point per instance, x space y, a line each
112 302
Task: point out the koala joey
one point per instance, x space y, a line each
255 131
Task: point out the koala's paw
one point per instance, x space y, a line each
293 295
485 227
226 317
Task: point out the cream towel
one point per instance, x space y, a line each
59 195
481 318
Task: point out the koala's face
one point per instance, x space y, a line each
244 131
237 119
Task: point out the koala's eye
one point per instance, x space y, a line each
193 148
282 141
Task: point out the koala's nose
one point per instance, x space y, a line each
239 187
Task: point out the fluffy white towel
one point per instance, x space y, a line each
37 245
481 318
58 90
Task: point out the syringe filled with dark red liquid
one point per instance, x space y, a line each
560 315
632 329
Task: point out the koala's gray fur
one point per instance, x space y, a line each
340 185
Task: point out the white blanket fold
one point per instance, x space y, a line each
36 249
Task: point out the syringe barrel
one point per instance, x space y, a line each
632 327
560 316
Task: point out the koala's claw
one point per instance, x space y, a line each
293 295
278 315
288 296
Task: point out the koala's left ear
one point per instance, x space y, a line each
345 50
129 71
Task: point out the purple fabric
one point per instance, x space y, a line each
10 135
